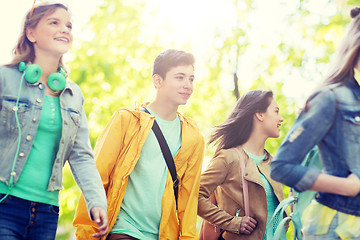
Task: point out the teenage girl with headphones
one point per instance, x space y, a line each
42 125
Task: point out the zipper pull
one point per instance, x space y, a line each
237 212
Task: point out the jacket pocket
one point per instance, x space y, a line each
351 126
7 113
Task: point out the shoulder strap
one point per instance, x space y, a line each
167 155
245 184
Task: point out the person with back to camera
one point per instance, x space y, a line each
330 120
143 200
42 125
241 138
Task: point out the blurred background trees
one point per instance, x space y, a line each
282 45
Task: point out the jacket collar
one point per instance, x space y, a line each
137 107
354 85
68 86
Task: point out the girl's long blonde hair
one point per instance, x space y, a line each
347 53
24 49
346 56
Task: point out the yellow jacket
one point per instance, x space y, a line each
116 152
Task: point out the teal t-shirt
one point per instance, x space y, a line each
140 212
272 201
34 179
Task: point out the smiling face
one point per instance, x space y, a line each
177 86
52 35
272 120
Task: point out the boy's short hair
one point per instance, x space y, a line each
169 59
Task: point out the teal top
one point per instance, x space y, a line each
272 201
33 181
141 209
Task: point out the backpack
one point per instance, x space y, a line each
297 202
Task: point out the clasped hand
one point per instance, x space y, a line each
247 225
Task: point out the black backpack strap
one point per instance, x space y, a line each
167 155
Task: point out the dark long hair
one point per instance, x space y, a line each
236 129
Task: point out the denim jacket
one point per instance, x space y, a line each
332 122
74 144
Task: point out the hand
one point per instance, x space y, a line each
247 225
353 184
99 216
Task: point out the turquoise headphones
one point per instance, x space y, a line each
32 73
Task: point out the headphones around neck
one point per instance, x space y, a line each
32 73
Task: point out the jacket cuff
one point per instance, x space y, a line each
356 172
234 225
307 180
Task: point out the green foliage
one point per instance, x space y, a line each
113 68
355 3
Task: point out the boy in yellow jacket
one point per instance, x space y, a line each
139 187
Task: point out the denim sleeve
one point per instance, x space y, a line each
356 172
308 130
84 169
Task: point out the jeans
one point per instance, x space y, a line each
26 220
330 235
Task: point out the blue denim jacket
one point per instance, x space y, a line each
333 123
74 144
